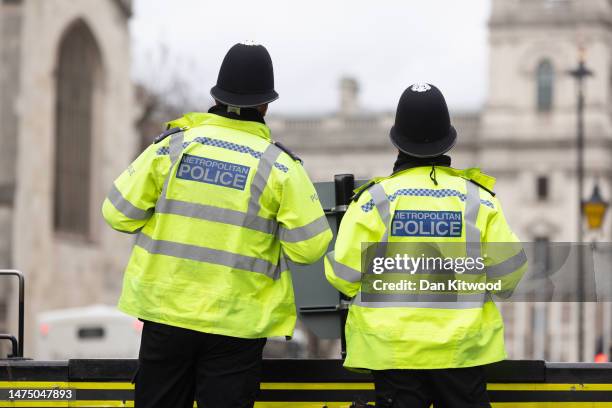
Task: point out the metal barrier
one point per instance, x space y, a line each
310 383
16 343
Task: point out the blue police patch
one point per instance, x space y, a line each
413 223
211 171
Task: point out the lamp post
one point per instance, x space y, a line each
595 209
580 73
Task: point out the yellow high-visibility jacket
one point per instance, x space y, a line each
217 209
425 329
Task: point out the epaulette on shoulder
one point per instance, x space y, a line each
166 133
476 176
289 152
483 187
361 189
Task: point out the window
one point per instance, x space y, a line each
542 188
77 75
90 333
545 78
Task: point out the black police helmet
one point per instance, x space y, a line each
422 123
246 77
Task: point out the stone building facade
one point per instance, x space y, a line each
67 108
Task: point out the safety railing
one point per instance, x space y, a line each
16 343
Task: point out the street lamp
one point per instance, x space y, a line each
580 73
595 209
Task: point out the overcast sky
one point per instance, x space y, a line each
385 44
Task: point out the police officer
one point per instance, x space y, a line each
217 208
425 346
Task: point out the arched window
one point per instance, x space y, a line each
545 78
78 74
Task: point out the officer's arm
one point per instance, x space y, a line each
303 228
132 198
343 265
505 257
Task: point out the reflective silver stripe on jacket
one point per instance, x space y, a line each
215 214
125 207
342 271
472 233
430 301
176 149
260 181
176 146
508 266
381 201
305 232
209 255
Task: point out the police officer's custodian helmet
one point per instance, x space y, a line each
422 123
246 77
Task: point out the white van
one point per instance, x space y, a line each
97 331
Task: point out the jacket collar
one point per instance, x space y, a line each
194 119
405 162
248 114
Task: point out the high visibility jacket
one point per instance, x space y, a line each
217 209
418 330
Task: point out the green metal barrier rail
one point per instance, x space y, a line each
306 384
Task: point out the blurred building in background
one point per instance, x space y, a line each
67 114
525 136
528 134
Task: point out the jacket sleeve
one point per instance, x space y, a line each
133 195
343 267
505 258
303 228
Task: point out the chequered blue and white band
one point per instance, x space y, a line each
425 192
224 145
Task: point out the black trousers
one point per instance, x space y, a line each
177 366
447 388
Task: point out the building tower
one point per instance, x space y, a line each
349 94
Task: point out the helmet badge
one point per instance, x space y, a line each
250 43
420 87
